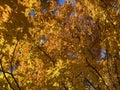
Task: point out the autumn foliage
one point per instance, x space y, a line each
48 46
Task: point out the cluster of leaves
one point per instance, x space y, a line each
47 46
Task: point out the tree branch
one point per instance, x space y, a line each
5 75
98 74
90 83
12 59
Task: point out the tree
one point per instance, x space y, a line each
47 46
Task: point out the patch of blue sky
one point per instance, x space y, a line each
54 12
73 3
73 13
61 2
102 55
12 69
44 38
32 13
69 53
44 11
115 7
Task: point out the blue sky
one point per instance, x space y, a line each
103 51
61 2
32 13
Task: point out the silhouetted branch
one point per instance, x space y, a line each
15 81
12 59
45 53
90 83
13 53
2 69
5 74
97 73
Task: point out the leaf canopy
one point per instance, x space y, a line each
45 45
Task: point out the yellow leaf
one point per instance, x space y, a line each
56 84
